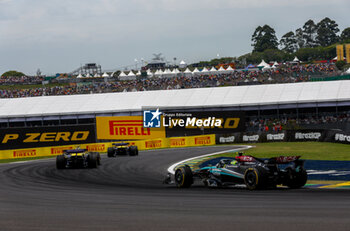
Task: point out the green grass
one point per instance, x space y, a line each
307 150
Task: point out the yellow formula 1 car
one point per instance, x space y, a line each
122 149
78 158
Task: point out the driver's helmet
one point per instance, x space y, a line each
234 162
240 153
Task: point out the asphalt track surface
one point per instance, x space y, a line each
127 193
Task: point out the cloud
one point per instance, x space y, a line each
116 31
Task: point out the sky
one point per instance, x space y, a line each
59 36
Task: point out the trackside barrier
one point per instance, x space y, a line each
188 141
285 136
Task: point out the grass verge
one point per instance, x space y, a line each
24 159
307 150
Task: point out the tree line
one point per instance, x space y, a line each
311 41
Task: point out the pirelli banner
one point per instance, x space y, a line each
16 138
125 128
175 142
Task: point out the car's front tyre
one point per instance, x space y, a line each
110 152
183 177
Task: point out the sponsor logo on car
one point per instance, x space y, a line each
24 153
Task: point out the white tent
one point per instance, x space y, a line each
270 79
348 71
204 71
263 64
96 75
266 68
105 75
275 64
195 71
167 73
221 69
246 80
255 79
88 75
213 70
229 69
149 73
182 64
138 73
296 59
187 72
79 76
122 74
131 74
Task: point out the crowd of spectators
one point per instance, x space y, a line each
274 124
20 80
282 74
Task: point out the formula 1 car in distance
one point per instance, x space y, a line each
78 158
122 149
255 173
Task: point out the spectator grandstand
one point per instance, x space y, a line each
281 74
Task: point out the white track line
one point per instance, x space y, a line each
171 169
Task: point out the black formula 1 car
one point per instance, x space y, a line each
122 149
255 173
78 158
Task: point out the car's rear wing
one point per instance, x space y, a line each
74 151
273 160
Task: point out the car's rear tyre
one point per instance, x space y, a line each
252 179
110 152
92 160
98 157
133 151
296 179
183 177
60 162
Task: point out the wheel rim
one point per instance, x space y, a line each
251 178
179 177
